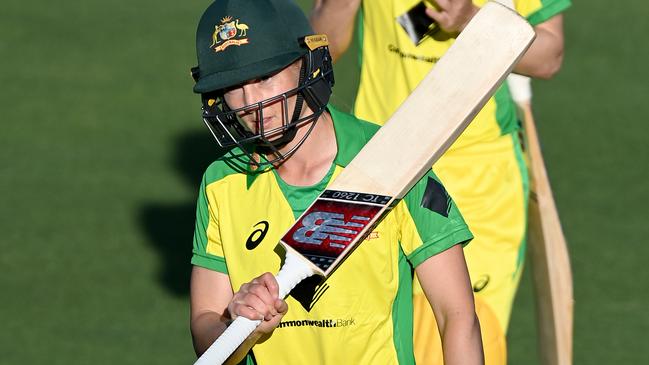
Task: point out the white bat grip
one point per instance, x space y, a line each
294 270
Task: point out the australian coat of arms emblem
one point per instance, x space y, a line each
229 33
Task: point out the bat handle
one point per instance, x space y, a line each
294 270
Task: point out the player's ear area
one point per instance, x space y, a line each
212 101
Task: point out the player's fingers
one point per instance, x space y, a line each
269 325
281 306
263 294
269 280
443 4
253 295
251 300
440 17
244 310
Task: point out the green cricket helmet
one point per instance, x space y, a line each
242 40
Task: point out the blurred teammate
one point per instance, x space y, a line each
484 170
264 88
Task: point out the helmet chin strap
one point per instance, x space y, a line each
273 146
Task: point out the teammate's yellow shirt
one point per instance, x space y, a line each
363 313
392 66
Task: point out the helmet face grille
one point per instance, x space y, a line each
230 131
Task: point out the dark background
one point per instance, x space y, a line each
103 148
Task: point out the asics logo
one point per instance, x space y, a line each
257 235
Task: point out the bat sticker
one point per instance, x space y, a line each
332 222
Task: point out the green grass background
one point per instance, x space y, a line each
102 148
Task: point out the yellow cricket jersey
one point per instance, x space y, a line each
362 314
392 65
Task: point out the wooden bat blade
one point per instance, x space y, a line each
550 259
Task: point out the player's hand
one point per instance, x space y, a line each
259 299
452 15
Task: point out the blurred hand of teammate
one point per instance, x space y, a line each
259 299
452 15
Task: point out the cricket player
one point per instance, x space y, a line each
264 91
484 170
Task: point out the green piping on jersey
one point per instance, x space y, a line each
505 110
550 8
520 159
218 263
402 313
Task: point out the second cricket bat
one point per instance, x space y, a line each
418 133
550 260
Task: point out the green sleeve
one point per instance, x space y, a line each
436 223
206 231
548 9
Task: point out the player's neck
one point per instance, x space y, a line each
312 161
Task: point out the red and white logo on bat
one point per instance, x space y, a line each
319 226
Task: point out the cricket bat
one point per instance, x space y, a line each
404 149
547 247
